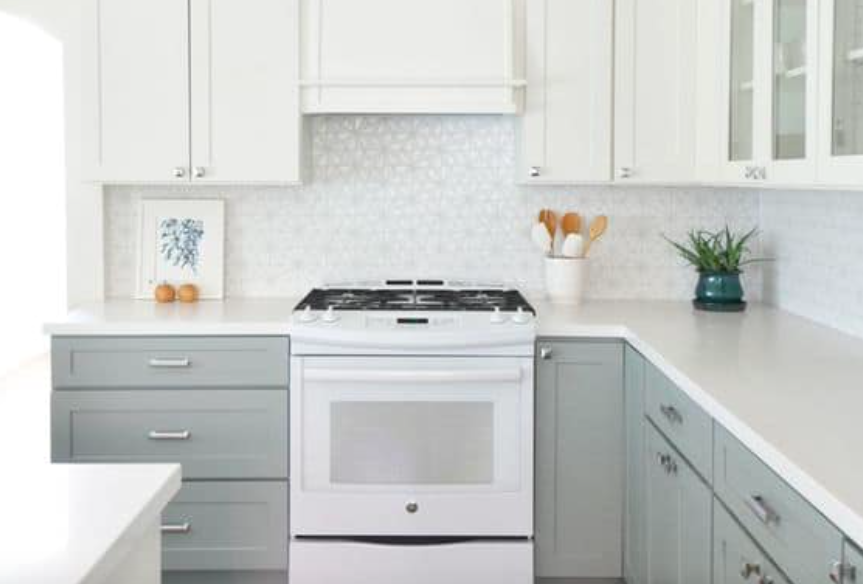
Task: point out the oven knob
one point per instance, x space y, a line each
521 317
497 316
307 315
412 507
330 315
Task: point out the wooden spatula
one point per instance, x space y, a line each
549 219
597 229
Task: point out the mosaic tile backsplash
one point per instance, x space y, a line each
816 240
431 196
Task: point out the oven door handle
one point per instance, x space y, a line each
513 374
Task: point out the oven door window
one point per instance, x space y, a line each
414 424
411 443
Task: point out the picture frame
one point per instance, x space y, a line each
181 241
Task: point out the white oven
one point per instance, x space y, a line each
411 446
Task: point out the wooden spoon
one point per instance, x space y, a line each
597 229
571 223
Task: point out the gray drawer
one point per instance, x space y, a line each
736 558
801 541
683 422
227 526
169 362
217 434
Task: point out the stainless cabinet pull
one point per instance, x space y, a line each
749 568
170 363
160 435
534 171
625 172
179 172
178 528
545 353
762 510
671 413
199 172
843 573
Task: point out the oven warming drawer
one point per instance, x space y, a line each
412 446
343 562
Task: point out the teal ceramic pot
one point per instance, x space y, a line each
719 292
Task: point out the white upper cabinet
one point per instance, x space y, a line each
409 56
245 99
565 133
193 90
770 108
655 104
137 91
841 84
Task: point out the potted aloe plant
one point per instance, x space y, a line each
718 257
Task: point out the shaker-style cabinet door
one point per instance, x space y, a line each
579 459
245 96
634 535
565 135
136 89
655 108
841 91
678 517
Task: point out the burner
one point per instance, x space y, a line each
421 298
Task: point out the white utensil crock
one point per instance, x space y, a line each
565 279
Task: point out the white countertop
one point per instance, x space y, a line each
787 388
263 317
72 524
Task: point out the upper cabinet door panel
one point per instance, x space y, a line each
655 101
137 90
408 55
245 98
841 90
566 128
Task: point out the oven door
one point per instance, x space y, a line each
411 446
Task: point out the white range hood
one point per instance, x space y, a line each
410 56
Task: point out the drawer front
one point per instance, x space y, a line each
226 526
737 559
683 422
216 434
169 362
801 541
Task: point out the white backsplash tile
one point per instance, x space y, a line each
816 240
431 196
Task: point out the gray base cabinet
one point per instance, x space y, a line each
579 459
216 405
736 557
634 564
678 517
236 525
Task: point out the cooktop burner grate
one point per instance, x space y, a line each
477 300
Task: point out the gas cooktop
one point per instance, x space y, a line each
416 295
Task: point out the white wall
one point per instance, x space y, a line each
61 18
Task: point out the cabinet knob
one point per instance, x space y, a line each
749 568
625 172
535 171
412 507
199 172
545 353
179 172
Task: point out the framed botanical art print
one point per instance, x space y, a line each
181 242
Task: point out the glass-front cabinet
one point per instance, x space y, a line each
841 84
771 95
